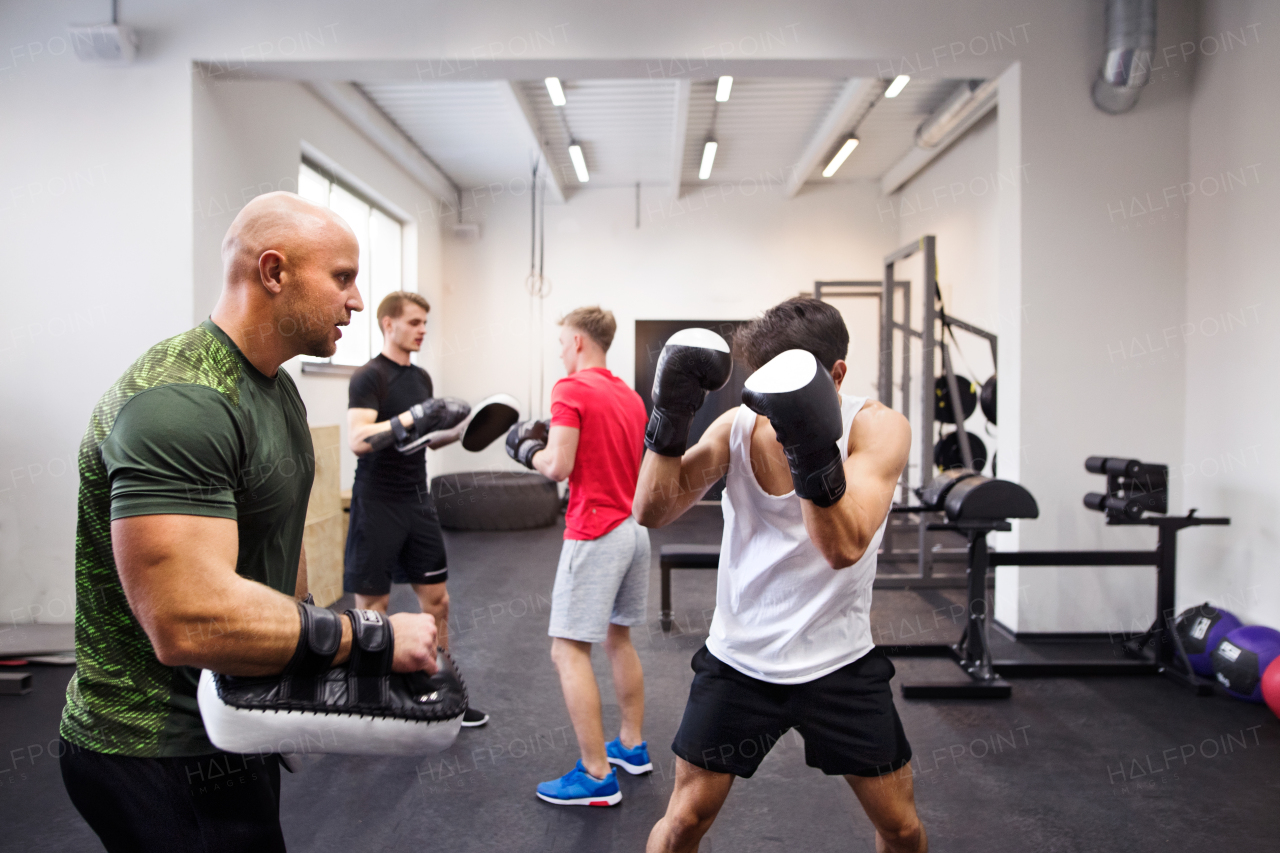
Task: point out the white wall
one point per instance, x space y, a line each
723 252
1229 465
1091 281
247 140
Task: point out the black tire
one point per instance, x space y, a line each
495 500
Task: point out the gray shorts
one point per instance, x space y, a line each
601 581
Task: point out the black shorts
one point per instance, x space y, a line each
847 719
393 541
219 802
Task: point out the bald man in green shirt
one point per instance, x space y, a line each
194 478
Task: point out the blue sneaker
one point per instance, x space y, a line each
634 761
580 788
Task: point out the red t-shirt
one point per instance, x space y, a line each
610 420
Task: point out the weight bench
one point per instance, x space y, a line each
682 557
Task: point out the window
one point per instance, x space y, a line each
380 236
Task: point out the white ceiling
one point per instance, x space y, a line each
479 133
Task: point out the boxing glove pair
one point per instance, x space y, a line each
793 391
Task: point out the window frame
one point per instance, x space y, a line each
339 177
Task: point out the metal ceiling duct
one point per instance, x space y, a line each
967 104
1131 39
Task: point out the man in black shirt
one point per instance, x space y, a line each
395 533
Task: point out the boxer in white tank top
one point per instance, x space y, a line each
782 614
810 478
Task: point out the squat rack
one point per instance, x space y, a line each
930 342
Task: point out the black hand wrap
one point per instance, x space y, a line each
318 642
372 650
693 363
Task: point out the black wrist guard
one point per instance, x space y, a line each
318 643
372 650
398 430
668 432
818 475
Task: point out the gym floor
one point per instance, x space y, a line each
1104 764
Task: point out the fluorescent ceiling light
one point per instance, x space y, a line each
838 160
579 162
708 157
722 89
555 90
899 83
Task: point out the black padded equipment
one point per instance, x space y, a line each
946 453
360 707
490 420
933 495
987 398
966 495
495 500
942 399
980 497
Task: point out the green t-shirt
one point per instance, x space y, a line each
191 428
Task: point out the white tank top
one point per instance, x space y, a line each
783 615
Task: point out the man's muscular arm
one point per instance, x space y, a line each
879 442
179 576
669 485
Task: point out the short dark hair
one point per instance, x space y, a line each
799 323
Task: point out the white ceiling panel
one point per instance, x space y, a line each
474 131
761 130
625 128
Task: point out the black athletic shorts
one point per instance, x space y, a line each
210 803
390 541
847 719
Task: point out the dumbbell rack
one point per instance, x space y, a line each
972 653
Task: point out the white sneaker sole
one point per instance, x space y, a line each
633 769
610 800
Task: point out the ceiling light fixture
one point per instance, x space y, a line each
841 155
556 91
895 88
579 162
723 87
708 158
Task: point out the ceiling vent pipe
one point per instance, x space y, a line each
1131 39
968 103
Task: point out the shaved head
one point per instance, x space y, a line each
282 221
291 265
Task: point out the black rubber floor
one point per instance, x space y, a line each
1126 764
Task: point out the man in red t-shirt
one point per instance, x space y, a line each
595 439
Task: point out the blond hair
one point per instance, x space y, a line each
392 305
594 322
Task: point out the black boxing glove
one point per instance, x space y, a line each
432 414
693 363
527 438
799 398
